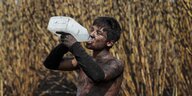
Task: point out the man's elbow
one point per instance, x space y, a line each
98 78
49 65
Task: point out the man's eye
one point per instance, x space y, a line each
98 32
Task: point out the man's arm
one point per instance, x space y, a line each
68 64
90 67
111 70
56 61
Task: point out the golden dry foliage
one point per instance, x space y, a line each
156 45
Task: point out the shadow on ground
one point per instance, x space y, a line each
55 84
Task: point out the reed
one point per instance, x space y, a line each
155 46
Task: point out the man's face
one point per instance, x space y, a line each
98 38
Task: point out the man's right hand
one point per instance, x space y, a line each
63 35
67 39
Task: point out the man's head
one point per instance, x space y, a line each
105 31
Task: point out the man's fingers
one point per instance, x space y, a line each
58 32
62 33
63 36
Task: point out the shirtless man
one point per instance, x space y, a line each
100 74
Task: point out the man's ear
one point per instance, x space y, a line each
110 43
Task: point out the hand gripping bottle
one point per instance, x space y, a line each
68 25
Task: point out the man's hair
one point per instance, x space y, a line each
109 25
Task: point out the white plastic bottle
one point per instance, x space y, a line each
68 25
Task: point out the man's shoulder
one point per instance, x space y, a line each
116 62
114 66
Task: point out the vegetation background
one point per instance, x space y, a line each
156 45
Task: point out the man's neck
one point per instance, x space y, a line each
100 54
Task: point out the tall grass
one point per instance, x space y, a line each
156 45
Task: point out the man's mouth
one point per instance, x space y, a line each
91 40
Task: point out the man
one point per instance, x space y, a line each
99 75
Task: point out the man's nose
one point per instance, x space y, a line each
92 34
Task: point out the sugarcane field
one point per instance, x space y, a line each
155 47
